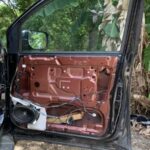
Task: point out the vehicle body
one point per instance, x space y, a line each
79 97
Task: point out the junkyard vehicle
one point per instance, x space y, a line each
63 80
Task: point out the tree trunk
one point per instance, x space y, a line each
139 103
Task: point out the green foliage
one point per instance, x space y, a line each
8 14
69 24
37 40
23 5
6 18
73 28
148 28
111 29
146 58
115 2
57 5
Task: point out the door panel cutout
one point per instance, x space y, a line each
74 90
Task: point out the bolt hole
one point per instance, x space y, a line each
37 84
32 68
93 77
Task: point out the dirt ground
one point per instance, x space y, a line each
139 142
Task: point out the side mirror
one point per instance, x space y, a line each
34 40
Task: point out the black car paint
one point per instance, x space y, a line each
119 135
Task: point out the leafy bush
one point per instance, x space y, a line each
146 58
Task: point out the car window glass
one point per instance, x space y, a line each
79 25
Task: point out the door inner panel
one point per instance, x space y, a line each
70 94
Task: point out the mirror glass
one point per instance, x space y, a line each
37 40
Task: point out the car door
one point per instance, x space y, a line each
65 87
2 83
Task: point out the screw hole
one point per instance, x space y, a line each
52 70
32 68
93 77
37 84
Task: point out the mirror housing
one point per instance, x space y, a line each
34 40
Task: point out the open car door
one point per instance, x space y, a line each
2 84
70 63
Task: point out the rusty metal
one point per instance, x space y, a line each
80 81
